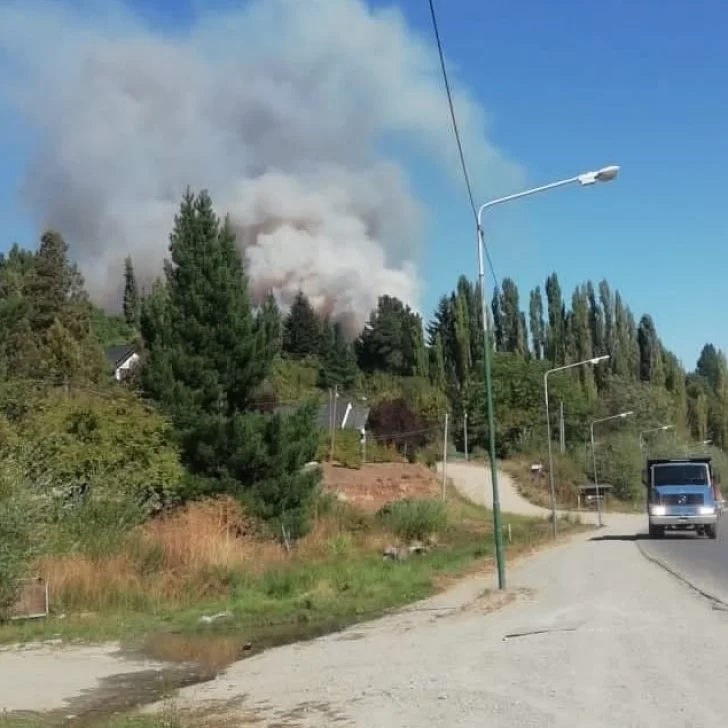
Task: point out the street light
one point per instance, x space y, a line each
662 428
605 174
552 487
620 416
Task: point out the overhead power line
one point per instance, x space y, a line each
456 131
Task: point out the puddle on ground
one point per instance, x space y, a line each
186 660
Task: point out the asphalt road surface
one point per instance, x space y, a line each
698 560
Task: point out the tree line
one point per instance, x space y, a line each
209 351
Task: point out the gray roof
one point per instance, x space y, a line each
349 413
117 355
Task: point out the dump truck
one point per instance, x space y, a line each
683 494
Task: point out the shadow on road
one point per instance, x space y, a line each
643 537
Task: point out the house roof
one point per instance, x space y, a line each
349 414
117 355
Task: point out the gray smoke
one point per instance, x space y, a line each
281 108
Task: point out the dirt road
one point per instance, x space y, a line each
474 482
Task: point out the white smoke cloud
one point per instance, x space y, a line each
281 108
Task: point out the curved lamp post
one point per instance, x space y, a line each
605 174
620 416
552 486
661 428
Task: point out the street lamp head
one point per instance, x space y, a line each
605 174
625 414
598 359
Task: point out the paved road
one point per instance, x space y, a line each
702 562
699 561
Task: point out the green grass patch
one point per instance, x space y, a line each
335 577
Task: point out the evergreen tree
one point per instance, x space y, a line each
205 358
511 328
51 283
58 311
302 328
131 295
555 334
392 340
338 361
437 362
535 311
269 323
650 352
498 329
709 364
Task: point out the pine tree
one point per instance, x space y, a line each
437 362
58 311
709 364
50 286
131 295
392 340
302 328
338 361
269 323
205 358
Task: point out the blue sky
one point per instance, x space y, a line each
567 87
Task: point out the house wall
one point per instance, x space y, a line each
123 369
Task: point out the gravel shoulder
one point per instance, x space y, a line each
589 633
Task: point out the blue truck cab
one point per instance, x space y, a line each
683 494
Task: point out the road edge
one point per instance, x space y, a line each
704 593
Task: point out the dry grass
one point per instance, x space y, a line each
188 557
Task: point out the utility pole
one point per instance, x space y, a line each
444 459
331 422
465 429
334 408
562 428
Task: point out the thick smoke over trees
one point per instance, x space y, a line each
280 108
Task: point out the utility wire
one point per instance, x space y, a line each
456 131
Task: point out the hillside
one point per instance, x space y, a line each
203 417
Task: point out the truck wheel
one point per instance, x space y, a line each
711 531
657 531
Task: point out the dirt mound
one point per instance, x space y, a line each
375 484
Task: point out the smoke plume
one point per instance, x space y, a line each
282 109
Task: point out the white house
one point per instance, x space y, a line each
122 358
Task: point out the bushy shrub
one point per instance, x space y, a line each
22 533
414 519
392 421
